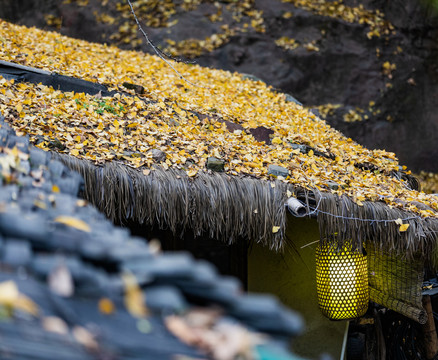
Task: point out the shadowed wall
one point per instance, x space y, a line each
291 277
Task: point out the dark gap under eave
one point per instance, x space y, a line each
229 259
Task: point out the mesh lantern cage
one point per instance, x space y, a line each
341 282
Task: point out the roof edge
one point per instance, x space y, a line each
230 207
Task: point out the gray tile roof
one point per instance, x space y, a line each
33 244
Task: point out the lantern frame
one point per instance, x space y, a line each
341 281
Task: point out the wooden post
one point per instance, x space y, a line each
429 331
381 344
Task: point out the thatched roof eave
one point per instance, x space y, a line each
228 208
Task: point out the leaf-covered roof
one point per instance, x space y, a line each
188 123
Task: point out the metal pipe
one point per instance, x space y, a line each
344 343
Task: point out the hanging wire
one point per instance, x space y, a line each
315 210
161 54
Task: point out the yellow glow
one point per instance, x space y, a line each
342 282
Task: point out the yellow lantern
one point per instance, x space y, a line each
342 282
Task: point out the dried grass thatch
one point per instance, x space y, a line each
374 222
228 207
214 204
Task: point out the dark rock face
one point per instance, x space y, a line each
346 69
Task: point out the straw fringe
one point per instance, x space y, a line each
420 237
218 205
231 207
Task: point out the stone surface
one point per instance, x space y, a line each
232 126
276 170
215 164
292 99
158 155
262 133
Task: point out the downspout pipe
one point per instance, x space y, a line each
296 207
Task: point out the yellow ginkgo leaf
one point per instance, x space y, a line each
192 172
106 306
14 151
277 141
11 297
134 300
275 229
403 227
399 221
73 222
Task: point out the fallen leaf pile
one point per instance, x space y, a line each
234 16
326 110
388 68
353 115
429 182
338 10
287 43
291 44
186 124
192 48
10 165
162 14
81 2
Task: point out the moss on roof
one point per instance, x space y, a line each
188 123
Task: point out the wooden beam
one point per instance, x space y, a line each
429 331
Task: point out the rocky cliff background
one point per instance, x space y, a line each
370 67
